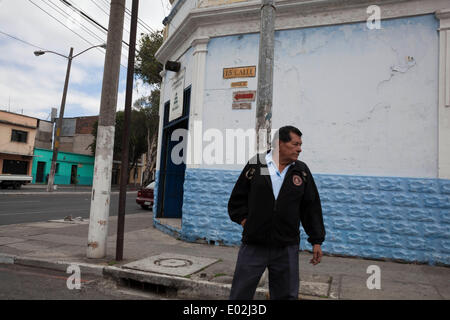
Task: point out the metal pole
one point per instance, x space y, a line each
265 75
126 133
101 188
51 177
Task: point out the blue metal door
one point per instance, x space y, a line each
174 180
171 175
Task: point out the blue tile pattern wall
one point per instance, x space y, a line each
374 217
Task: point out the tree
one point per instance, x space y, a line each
149 106
147 67
148 70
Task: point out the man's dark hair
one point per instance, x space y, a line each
283 134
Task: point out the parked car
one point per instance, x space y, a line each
145 197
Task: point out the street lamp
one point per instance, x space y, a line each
51 177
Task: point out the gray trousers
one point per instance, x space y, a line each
282 263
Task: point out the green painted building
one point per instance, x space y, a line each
71 168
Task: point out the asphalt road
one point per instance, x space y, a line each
26 283
16 208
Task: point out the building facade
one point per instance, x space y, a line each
76 135
371 97
75 162
17 136
71 168
44 135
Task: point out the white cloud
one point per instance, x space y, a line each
35 84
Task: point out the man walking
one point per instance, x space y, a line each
274 193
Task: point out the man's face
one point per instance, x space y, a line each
291 150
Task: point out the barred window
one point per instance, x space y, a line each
19 136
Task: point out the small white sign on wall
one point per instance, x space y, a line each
176 101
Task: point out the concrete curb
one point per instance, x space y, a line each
186 288
53 265
6 258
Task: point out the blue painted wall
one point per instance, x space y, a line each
375 217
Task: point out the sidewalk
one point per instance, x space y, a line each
56 245
60 189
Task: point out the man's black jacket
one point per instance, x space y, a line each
276 222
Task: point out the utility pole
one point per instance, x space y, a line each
51 176
265 80
101 188
265 75
126 133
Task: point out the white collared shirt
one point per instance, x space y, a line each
276 176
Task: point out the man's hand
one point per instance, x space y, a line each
243 222
317 254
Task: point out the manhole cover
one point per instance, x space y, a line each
173 263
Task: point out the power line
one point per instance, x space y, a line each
66 26
144 26
91 21
101 8
67 3
87 17
68 16
61 23
18 39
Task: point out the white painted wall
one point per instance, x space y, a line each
227 52
363 107
183 11
166 92
186 65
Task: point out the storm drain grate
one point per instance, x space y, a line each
168 292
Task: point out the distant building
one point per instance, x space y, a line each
71 168
44 135
76 134
75 163
17 137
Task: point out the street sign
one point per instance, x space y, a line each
176 101
240 84
241 106
244 96
240 72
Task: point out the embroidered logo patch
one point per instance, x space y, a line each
297 180
250 173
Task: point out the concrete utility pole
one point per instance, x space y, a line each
101 188
265 75
126 133
51 176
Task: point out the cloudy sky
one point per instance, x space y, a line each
33 85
